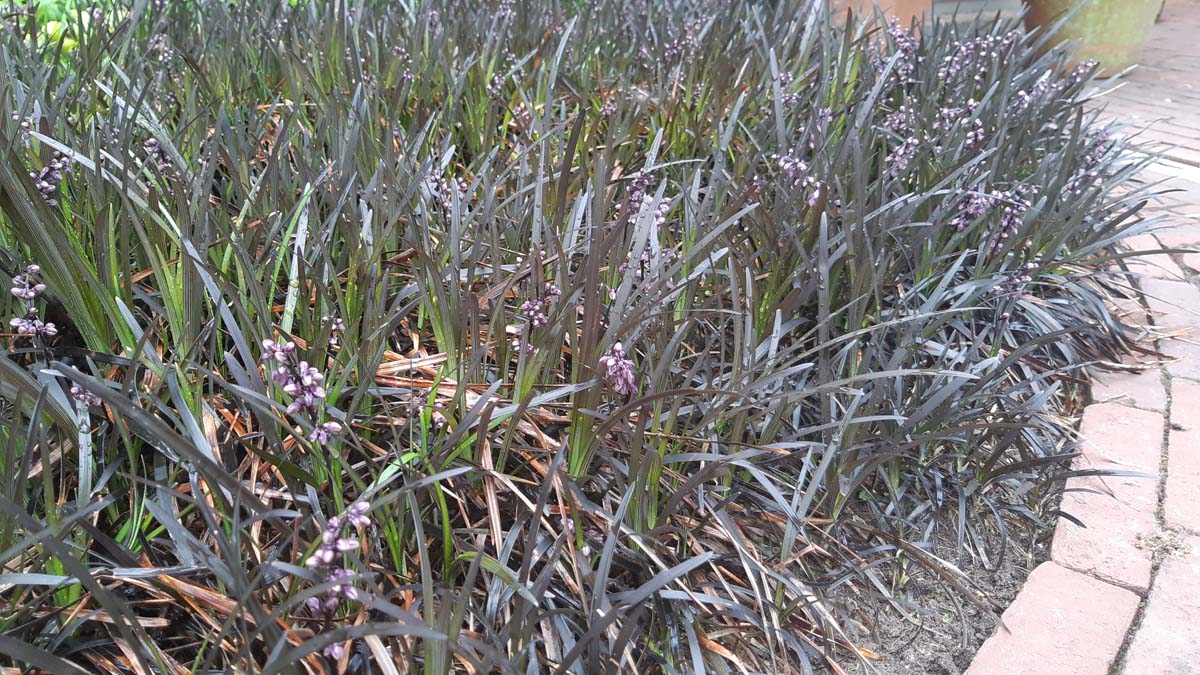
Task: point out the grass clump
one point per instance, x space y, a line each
528 337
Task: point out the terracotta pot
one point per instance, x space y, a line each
902 10
1109 31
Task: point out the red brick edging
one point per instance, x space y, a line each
1121 596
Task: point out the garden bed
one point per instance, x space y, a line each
536 337
936 632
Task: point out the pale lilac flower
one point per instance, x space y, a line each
660 211
48 177
535 311
405 62
303 383
356 515
947 117
445 191
161 48
789 99
975 135
796 170
901 121
336 328
686 43
325 431
26 285
979 205
332 541
1090 171
335 651
84 396
639 186
160 159
297 379
26 123
1012 284
1012 213
515 343
1046 87
974 58
31 326
322 557
618 370
898 160
343 590
279 351
906 47
791 166
337 538
974 206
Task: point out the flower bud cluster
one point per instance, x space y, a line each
339 537
303 383
27 286
535 311
619 371
48 178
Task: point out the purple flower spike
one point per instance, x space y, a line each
48 177
27 286
328 562
618 370
535 311
299 380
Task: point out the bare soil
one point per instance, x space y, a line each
938 632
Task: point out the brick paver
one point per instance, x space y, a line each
1191 261
1182 506
1168 641
1073 614
1062 623
1186 352
1140 390
1073 621
1158 265
1180 233
1175 307
1118 511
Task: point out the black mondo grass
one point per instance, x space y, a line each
569 336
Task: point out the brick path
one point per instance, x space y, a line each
1122 595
